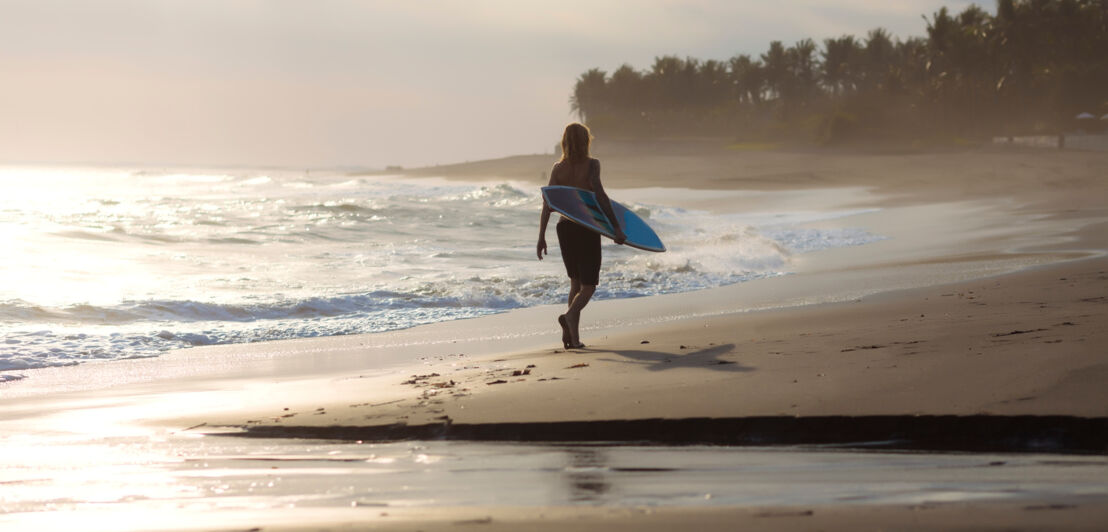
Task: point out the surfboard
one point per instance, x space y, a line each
581 207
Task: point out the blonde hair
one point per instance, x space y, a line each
575 142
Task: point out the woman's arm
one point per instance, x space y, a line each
605 203
544 219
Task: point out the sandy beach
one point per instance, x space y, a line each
888 320
988 298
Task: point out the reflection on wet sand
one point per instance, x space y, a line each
585 474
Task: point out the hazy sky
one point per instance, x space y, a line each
370 83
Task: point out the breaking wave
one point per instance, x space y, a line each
157 261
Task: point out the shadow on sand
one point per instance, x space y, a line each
708 358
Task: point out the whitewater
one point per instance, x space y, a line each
114 263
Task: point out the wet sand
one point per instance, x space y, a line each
1060 516
234 484
989 299
947 517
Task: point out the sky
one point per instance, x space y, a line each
330 83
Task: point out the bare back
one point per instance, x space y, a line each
584 175
575 174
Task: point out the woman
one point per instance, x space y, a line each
580 246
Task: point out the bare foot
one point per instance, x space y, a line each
566 337
572 322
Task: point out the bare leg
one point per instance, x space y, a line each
573 315
567 336
574 288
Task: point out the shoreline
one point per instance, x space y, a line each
1008 234
985 306
935 339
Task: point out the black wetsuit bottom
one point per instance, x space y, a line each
580 252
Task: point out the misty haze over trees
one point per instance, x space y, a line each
1030 68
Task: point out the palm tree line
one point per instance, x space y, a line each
1028 68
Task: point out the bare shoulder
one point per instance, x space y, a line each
558 173
593 175
580 174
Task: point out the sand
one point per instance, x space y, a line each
1050 516
952 517
1030 342
991 299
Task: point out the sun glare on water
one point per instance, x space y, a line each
57 228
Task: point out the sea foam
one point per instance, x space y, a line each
125 264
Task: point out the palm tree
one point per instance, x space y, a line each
627 92
878 57
667 78
589 97
802 80
712 81
747 78
625 87
839 56
911 71
776 68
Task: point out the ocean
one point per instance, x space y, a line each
103 264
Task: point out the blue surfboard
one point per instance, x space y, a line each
580 206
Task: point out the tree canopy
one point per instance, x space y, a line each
1030 67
